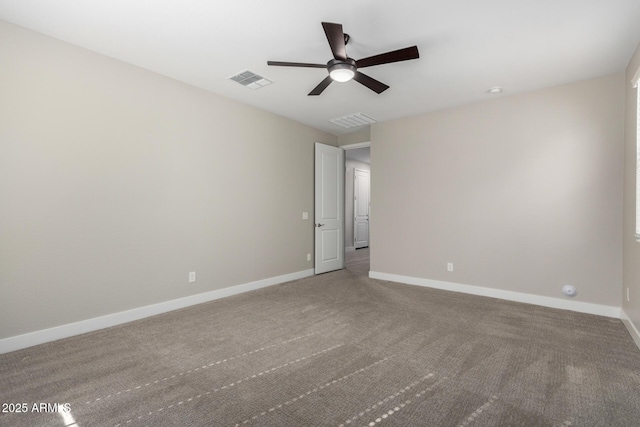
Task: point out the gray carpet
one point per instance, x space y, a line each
338 349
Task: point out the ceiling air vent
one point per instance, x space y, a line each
250 80
353 120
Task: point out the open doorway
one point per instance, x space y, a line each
357 205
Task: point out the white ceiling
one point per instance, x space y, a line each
466 46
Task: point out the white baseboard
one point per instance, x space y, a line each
46 335
350 249
633 330
579 306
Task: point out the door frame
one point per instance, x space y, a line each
356 145
353 147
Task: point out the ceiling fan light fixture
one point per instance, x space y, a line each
342 74
342 71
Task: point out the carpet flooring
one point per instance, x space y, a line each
338 349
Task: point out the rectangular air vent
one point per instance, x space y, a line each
353 120
250 79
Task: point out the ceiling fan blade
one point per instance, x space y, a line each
296 64
335 36
389 57
371 83
321 87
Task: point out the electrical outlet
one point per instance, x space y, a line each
628 295
305 215
308 257
192 277
449 266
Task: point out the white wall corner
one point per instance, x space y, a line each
563 304
52 334
633 330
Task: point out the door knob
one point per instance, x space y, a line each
319 225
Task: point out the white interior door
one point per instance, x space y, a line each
329 208
361 208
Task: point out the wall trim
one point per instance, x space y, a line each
64 331
356 145
633 331
350 249
579 306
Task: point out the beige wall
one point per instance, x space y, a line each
631 247
362 135
115 182
522 193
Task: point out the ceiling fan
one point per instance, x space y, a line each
342 68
